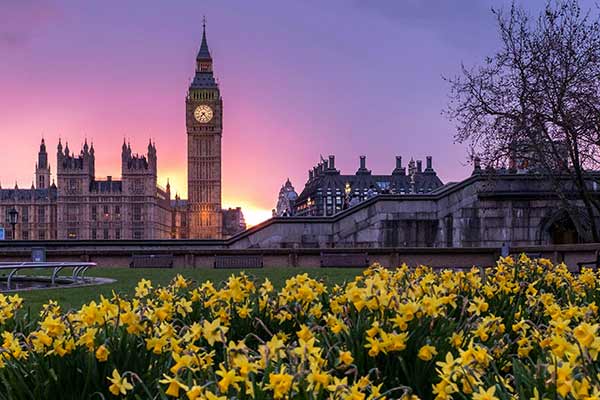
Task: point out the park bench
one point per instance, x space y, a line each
78 269
344 260
151 261
238 261
592 263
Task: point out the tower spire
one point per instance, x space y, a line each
204 53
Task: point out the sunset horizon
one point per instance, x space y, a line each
106 77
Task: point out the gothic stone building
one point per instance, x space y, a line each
36 206
133 207
80 206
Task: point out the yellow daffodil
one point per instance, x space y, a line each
119 385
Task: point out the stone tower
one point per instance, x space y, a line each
138 180
74 174
42 168
204 125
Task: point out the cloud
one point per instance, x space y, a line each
21 20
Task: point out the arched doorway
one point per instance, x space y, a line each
560 229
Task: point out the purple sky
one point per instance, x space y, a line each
298 79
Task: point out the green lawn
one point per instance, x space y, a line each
128 278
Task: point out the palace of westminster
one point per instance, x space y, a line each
407 207
79 206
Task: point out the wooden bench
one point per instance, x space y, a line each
151 261
344 260
594 264
238 261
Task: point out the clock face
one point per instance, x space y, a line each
203 113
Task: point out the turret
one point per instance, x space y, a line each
74 172
136 168
152 156
42 168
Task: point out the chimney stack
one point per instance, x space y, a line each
419 166
331 162
429 164
398 170
362 170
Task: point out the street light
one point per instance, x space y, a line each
13 215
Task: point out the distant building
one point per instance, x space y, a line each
133 207
328 192
80 206
179 218
233 222
36 206
286 200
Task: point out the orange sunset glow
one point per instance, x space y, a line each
286 102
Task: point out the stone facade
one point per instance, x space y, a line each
488 209
133 207
233 220
204 124
80 206
36 207
328 192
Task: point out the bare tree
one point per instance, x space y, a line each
537 100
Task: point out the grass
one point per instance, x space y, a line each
126 279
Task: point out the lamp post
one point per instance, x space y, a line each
13 216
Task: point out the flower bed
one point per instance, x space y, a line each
523 329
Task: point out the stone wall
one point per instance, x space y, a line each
478 212
201 254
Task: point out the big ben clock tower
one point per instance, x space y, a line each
204 124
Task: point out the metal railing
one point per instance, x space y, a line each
77 274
